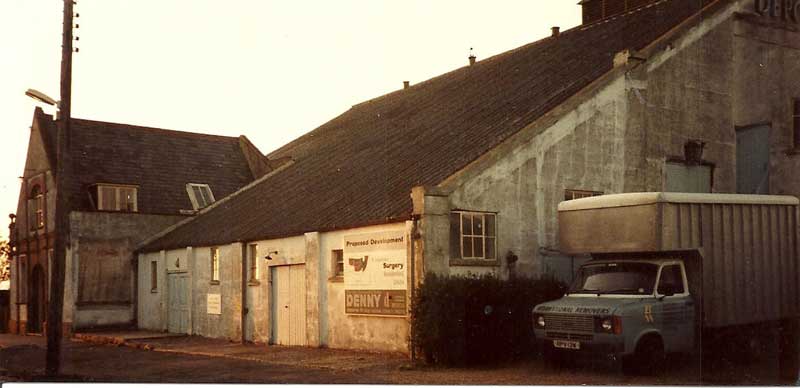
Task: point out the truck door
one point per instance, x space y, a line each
674 312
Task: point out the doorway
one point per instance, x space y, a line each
752 159
36 300
178 314
288 305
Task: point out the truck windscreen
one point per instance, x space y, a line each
615 278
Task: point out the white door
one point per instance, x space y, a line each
288 305
178 303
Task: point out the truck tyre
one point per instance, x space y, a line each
648 359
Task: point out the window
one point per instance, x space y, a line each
36 208
337 263
252 253
472 235
153 276
117 198
671 280
200 195
570 194
796 122
215 264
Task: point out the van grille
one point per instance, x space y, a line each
560 322
569 336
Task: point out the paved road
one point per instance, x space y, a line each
201 360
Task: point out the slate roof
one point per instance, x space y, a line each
359 168
159 161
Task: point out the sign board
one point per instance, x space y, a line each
214 304
375 273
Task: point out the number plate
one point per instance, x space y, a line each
567 344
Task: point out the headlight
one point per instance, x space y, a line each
611 325
540 321
606 325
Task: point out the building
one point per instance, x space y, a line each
462 174
128 183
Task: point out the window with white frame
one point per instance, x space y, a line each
252 254
473 235
119 198
215 264
200 195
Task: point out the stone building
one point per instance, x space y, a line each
461 174
129 182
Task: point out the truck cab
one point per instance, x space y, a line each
630 309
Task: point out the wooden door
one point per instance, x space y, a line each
178 303
288 305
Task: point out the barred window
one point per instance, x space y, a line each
473 235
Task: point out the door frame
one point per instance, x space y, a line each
180 274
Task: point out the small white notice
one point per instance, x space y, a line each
214 304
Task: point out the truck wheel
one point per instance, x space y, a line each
648 359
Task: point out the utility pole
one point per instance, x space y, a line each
63 167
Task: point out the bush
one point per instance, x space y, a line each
477 320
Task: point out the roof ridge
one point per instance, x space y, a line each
155 129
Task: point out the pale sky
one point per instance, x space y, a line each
269 70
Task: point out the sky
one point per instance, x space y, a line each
269 70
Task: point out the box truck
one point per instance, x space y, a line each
676 272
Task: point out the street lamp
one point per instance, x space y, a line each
39 96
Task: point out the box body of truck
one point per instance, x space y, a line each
747 245
708 263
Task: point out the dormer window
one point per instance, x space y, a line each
119 198
200 195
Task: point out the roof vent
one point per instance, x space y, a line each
471 57
406 84
556 31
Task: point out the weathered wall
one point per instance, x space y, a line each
326 321
228 323
340 330
102 264
151 304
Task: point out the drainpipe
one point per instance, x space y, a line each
244 293
413 266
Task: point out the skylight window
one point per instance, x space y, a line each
200 195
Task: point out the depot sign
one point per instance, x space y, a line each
785 10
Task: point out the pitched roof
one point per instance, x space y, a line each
359 168
161 162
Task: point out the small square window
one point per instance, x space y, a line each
116 198
153 276
252 253
473 235
337 263
570 194
215 264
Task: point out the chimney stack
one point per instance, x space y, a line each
471 60
406 84
556 31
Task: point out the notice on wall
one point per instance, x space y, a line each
214 304
375 273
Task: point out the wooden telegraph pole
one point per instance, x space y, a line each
56 306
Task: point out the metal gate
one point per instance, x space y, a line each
288 307
178 303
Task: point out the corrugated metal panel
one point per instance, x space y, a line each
750 258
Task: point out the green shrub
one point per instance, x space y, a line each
476 320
